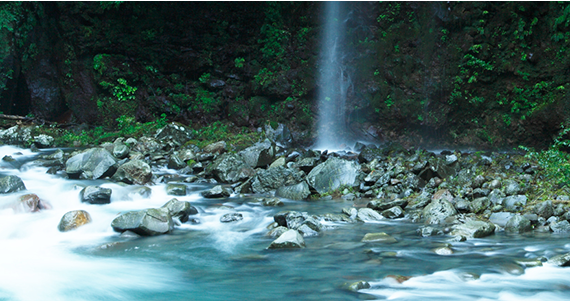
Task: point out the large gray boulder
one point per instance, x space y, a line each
294 192
518 224
281 135
180 210
437 211
95 163
146 222
230 168
270 179
9 184
217 192
95 195
332 174
562 260
501 218
134 172
30 203
545 209
473 229
295 220
368 215
17 135
291 239
515 202
260 154
146 146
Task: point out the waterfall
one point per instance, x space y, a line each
334 81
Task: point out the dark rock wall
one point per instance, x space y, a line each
460 73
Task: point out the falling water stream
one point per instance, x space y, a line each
211 260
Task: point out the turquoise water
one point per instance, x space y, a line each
218 261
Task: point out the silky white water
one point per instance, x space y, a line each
229 261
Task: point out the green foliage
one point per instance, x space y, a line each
238 62
206 101
205 78
99 62
554 161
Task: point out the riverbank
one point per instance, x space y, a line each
287 197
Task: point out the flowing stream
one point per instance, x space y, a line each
211 260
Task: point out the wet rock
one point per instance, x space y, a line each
9 184
120 150
134 172
437 211
496 197
174 135
562 260
480 192
501 218
307 164
515 202
420 201
219 147
217 192
529 262
518 224
380 237
43 141
176 189
381 205
427 231
356 286
272 202
16 135
174 162
294 220
270 179
291 239
334 217
277 231
560 227
260 154
30 203
368 215
352 213
146 146
307 231
231 217
298 191
444 251
462 205
281 135
147 222
73 220
512 187
95 163
95 195
230 168
332 174
394 212
473 229
479 205
544 209
369 154
279 162
180 210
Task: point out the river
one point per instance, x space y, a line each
211 260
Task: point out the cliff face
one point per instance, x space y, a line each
481 74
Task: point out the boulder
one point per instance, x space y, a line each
231 217
356 286
272 202
9 184
30 203
73 219
294 220
332 174
291 239
120 150
95 195
174 135
230 168
174 162
380 237
134 172
427 231
394 212
281 161
180 210
544 209
176 189
281 135
512 187
368 215
501 218
216 148
438 211
270 179
298 191
260 154
562 260
515 202
560 227
54 159
381 205
217 192
473 229
307 164
479 205
146 146
95 163
16 135
518 224
277 231
146 222
43 141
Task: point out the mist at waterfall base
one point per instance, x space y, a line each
211 260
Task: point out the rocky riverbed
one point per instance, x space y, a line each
453 196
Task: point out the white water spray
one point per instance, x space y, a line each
334 81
